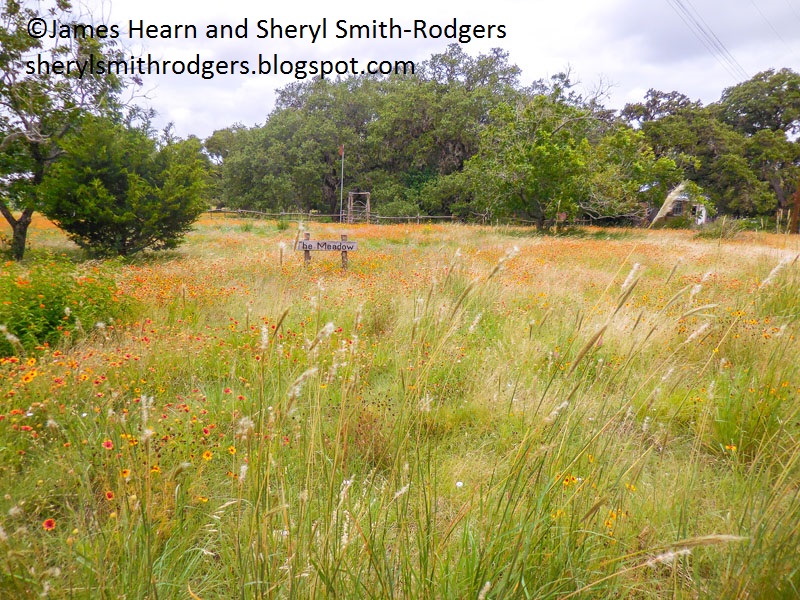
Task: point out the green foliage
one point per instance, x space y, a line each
464 434
53 302
532 160
624 176
737 150
115 192
37 110
400 135
397 208
768 101
677 222
722 229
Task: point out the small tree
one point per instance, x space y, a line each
531 160
38 110
116 192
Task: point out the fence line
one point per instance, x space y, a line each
378 219
314 216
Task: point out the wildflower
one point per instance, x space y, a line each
242 472
730 448
630 487
231 450
459 484
125 473
155 469
109 495
208 455
49 524
202 499
108 444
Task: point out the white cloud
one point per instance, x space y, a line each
632 44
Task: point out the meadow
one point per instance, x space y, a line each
467 412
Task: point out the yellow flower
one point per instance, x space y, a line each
207 455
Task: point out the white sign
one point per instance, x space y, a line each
325 245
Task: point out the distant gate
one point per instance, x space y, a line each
358 207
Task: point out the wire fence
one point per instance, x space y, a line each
328 218
313 216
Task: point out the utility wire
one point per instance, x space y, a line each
703 32
794 10
707 31
775 31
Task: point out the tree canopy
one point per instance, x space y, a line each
462 136
116 192
38 110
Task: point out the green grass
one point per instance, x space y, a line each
451 418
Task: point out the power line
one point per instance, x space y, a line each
719 43
793 9
705 28
703 32
771 26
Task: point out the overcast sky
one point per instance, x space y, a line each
698 47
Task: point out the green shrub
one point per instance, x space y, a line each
722 229
115 192
52 301
397 208
678 222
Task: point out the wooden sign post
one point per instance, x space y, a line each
307 245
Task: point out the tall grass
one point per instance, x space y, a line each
453 417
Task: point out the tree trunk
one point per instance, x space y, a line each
794 222
19 229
